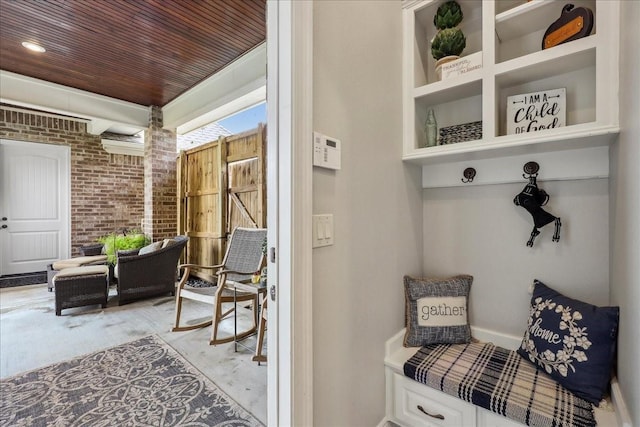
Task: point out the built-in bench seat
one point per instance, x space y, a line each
482 384
500 381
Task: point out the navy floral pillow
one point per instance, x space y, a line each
437 310
572 341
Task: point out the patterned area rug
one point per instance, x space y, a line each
144 382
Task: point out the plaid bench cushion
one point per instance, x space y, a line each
500 381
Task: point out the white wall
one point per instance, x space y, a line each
625 211
479 231
375 199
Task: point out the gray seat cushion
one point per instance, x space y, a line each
82 271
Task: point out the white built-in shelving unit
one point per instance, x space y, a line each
509 34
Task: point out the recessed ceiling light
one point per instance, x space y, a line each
34 47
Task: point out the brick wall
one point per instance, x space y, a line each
161 215
107 190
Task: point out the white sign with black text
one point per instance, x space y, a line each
531 112
462 66
442 311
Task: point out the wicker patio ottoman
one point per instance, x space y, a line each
80 286
57 266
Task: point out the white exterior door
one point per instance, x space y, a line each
34 206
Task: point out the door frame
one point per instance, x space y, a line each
289 211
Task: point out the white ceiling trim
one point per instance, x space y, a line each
237 102
43 114
236 87
108 113
113 146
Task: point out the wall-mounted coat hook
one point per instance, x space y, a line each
530 169
469 174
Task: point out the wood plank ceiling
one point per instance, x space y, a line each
144 51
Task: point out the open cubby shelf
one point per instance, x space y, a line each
509 33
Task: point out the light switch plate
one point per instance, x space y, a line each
322 230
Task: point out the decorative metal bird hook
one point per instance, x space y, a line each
532 199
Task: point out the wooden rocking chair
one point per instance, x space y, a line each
262 330
242 259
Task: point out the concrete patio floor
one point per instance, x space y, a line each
32 336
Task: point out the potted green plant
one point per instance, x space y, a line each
449 42
133 239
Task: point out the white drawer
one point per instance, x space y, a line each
417 405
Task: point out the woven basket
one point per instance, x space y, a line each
461 133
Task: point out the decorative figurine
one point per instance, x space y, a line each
574 23
532 199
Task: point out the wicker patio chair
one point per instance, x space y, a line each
243 257
149 274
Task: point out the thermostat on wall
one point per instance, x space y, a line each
326 151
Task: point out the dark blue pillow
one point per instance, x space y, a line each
572 341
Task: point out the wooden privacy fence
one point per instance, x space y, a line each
221 185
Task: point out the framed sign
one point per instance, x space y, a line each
531 112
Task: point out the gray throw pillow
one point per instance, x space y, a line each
168 242
437 310
152 247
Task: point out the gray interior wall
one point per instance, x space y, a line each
479 231
375 200
625 211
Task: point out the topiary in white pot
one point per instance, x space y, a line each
449 42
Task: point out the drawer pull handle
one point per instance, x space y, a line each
437 416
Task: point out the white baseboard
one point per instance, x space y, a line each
622 413
386 423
